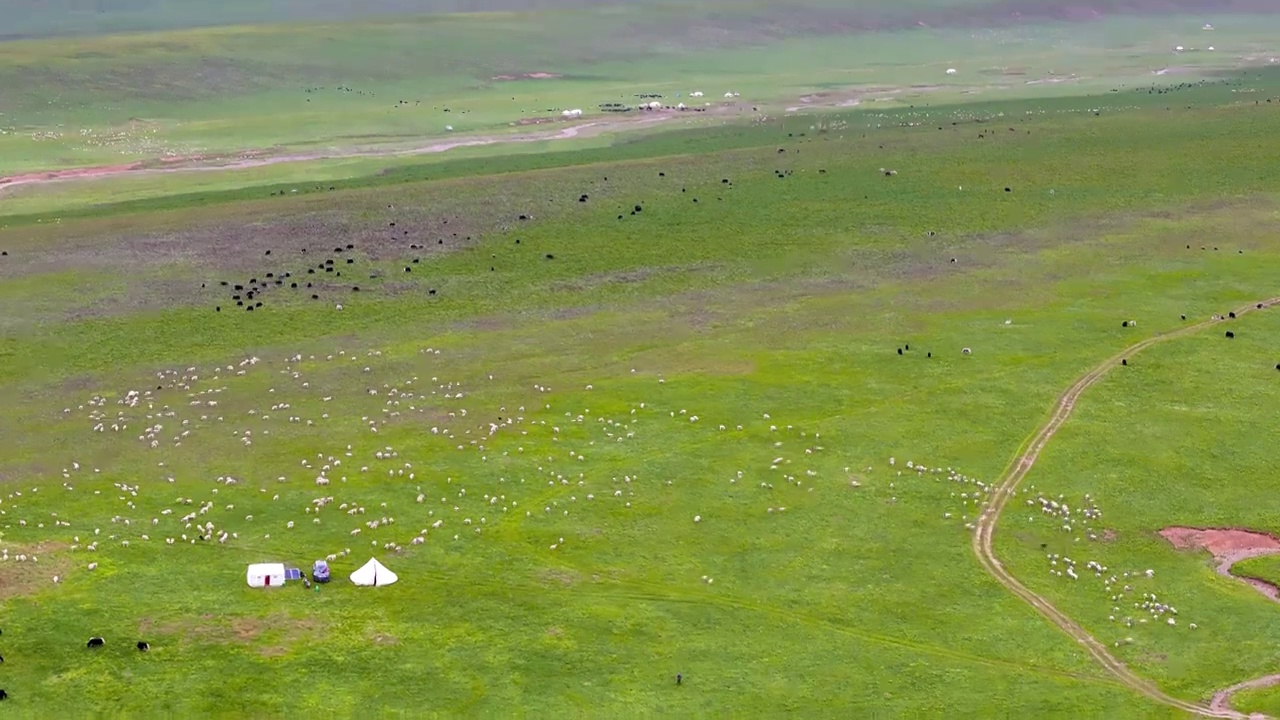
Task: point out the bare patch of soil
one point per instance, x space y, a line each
622 277
379 638
527 76
852 97
72 174
1222 699
1228 547
20 579
559 577
260 158
1221 543
285 631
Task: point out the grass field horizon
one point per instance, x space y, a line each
326 87
722 397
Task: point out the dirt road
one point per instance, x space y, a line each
1008 484
253 159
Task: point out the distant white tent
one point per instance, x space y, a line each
373 574
265 575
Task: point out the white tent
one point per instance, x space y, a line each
373 574
266 574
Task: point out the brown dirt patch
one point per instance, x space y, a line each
384 639
559 576
22 579
283 631
624 277
1228 547
527 76
1222 699
1221 543
246 629
72 174
79 384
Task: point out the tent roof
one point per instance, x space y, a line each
267 568
373 573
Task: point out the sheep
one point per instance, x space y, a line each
966 351
95 642
143 646
1230 335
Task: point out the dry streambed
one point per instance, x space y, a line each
1228 547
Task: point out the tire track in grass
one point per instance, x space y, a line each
1017 471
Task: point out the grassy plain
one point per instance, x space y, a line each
326 88
1265 700
786 297
551 391
1265 568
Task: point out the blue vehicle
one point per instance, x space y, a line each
320 571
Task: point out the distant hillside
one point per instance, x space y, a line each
44 18
49 18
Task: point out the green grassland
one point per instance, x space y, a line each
566 386
1264 701
331 87
77 17
1265 568
176 188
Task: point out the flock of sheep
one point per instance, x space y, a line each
366 490
392 495
1128 594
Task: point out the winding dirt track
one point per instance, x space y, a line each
1009 481
252 159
